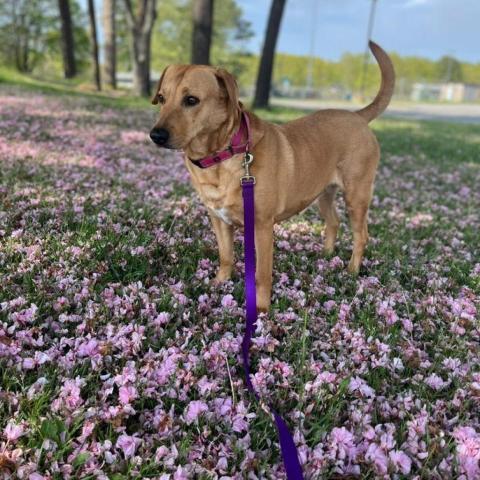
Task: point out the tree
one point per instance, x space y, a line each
31 36
471 72
202 31
68 46
173 33
449 69
141 25
23 26
109 49
93 35
264 79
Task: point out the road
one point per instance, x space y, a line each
462 113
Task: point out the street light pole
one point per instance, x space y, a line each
371 21
312 47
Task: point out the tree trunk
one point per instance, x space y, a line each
68 46
202 31
26 56
93 34
140 43
140 48
110 51
21 44
264 79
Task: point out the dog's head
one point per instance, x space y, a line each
199 108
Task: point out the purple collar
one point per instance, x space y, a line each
236 146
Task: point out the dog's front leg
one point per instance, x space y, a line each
224 234
264 261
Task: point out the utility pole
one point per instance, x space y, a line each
371 21
449 69
312 46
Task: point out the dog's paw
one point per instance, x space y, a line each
353 268
262 309
328 252
263 300
221 277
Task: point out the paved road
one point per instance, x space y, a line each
462 113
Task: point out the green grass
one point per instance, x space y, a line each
71 88
422 145
445 142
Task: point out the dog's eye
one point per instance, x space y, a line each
161 99
190 101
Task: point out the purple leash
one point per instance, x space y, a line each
289 451
240 144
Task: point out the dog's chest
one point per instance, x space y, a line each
221 201
219 190
222 214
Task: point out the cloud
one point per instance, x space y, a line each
415 3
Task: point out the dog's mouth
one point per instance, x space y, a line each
173 148
166 145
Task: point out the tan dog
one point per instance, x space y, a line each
294 164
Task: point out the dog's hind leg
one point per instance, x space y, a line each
328 211
224 234
357 199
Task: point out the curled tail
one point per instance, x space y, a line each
385 93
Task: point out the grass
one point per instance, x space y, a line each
136 199
72 89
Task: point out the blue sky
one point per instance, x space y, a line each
428 28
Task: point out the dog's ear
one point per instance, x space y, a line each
157 88
229 85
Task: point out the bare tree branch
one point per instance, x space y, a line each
130 14
150 15
141 26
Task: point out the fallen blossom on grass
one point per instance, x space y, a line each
121 359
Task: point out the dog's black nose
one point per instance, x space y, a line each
159 136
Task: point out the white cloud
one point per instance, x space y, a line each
415 3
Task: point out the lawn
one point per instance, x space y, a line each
120 360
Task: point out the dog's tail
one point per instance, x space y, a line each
384 96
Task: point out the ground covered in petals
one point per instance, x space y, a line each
119 359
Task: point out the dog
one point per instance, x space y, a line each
294 164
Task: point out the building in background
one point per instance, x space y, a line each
445 92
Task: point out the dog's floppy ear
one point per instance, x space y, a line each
157 89
228 83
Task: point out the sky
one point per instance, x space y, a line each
427 28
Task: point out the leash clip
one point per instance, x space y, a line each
247 178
